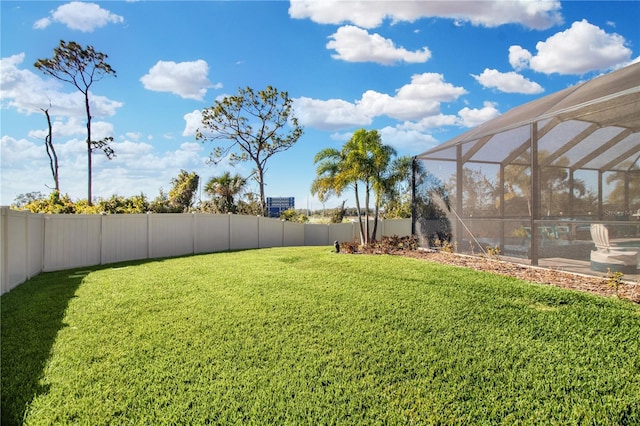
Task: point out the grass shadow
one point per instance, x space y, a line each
32 314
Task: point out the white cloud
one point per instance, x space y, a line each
16 150
419 99
332 114
193 121
578 50
80 16
28 93
474 117
416 100
430 86
138 167
431 122
538 14
72 126
404 140
186 79
508 82
519 57
354 44
135 136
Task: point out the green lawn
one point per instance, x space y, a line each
305 336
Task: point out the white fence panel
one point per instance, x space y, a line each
211 232
170 234
4 263
316 234
343 232
16 249
244 232
124 237
399 227
293 234
271 232
71 241
32 243
21 245
35 244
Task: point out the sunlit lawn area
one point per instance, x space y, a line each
306 336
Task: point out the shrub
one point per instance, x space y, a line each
386 245
349 247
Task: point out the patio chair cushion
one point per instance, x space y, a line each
607 258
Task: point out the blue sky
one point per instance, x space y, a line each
419 72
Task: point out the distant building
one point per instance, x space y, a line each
276 205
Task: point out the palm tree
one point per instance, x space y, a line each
223 189
362 160
335 172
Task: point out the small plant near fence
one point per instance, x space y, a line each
493 252
444 245
614 279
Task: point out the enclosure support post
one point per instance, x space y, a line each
571 193
413 195
535 194
600 208
502 227
459 195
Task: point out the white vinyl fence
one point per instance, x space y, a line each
33 243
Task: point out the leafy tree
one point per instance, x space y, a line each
553 182
162 204
292 215
616 196
251 126
55 203
431 204
22 200
339 213
184 189
81 67
223 189
250 205
121 205
397 197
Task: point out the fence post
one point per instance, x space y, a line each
149 235
26 244
193 233
229 233
4 261
102 234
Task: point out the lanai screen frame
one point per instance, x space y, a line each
592 128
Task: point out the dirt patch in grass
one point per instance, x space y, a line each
597 285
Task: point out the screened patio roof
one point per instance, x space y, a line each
594 126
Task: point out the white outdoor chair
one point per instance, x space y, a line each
611 258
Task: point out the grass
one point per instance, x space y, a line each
305 336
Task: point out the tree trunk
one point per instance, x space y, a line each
375 221
89 163
263 202
366 212
51 152
362 239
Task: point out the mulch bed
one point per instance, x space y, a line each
596 285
